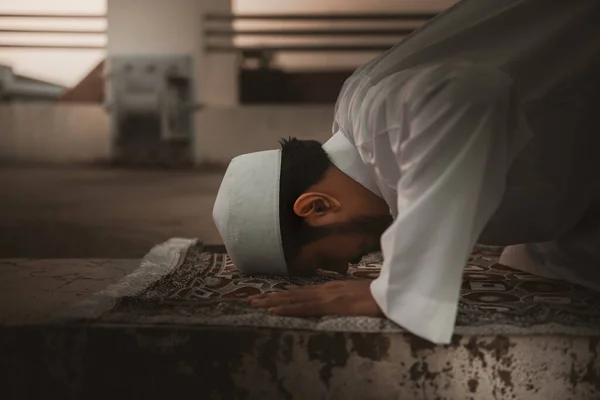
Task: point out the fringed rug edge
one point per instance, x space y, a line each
158 262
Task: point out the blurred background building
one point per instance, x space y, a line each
185 81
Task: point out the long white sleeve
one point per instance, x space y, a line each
451 153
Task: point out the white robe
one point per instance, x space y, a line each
479 125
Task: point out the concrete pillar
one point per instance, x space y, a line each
175 26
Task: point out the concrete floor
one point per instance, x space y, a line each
101 213
68 232
33 290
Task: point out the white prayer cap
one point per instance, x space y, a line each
246 210
246 213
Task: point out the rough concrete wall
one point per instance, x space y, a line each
53 132
71 132
223 133
99 361
396 366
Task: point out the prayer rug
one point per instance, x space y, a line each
182 282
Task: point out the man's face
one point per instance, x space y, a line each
346 244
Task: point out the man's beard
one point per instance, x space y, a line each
371 227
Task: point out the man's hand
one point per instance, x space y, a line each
333 298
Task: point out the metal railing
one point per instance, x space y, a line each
43 31
321 17
228 33
322 35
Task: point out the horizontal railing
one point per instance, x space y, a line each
56 16
320 36
320 17
58 31
52 46
256 50
307 32
101 33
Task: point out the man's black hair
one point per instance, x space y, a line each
303 164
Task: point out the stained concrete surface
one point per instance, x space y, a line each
33 290
66 232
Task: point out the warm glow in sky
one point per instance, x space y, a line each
69 66
61 66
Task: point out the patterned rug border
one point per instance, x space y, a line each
168 256
233 314
160 261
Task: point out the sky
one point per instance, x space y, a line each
68 67
65 67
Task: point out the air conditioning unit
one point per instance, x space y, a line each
150 100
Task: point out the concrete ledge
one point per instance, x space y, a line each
31 290
138 361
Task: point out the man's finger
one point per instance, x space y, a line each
285 297
292 290
306 287
273 301
313 308
288 297
263 295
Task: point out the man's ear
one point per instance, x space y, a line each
317 208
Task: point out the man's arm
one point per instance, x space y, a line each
453 166
453 162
